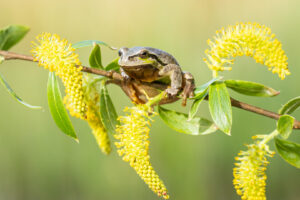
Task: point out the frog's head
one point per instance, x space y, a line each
138 57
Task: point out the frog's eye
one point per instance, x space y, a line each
144 54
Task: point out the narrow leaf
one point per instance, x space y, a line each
95 57
220 106
200 90
179 122
108 112
285 125
11 35
57 108
196 104
290 106
14 95
113 65
251 88
88 43
289 151
200 93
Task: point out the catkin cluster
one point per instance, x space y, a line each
133 145
249 173
250 39
57 55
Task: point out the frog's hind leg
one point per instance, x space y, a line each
128 87
131 92
188 87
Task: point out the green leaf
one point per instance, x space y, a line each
108 112
114 65
88 43
196 104
95 57
220 106
289 151
285 125
179 122
57 108
11 35
200 90
14 95
251 88
290 106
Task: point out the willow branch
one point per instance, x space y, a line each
260 111
116 78
16 56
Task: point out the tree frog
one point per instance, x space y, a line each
148 64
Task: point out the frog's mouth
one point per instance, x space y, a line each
138 67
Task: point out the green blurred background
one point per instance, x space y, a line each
38 162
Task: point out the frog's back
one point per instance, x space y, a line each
163 56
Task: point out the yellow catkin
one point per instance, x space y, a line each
133 145
58 55
98 129
91 87
249 173
250 39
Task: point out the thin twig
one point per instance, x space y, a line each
259 111
117 77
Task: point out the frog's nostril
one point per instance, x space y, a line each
120 52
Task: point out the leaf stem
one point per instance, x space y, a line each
215 73
269 137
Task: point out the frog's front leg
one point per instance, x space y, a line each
175 74
188 87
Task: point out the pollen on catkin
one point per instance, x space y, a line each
57 55
133 145
249 173
250 39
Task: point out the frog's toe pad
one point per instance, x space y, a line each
172 91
